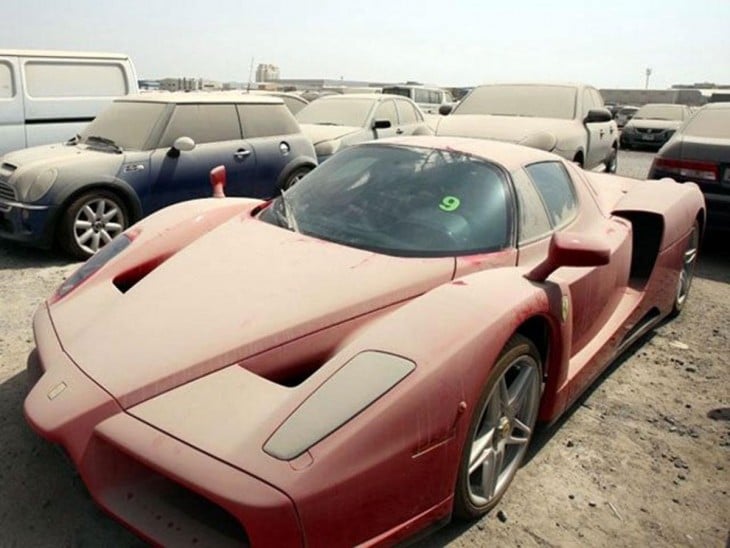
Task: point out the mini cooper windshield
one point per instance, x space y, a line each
124 125
398 200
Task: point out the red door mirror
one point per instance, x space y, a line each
571 249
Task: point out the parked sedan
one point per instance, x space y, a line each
335 122
359 359
653 125
700 152
569 120
141 154
624 114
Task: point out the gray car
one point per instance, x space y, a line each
700 152
567 119
653 124
335 122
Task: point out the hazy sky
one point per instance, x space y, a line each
607 43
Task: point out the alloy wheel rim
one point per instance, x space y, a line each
96 223
504 430
688 263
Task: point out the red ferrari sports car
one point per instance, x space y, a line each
362 357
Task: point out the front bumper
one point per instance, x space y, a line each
654 138
165 490
27 223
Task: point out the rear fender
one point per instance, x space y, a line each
679 205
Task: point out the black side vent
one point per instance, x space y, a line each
647 230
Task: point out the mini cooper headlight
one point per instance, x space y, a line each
41 185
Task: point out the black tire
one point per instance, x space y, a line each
90 221
519 351
294 177
686 274
611 162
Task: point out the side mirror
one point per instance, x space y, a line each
571 249
445 110
381 124
597 115
181 144
218 181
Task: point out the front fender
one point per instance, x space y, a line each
63 195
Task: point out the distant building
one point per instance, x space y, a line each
266 73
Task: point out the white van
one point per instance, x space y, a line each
49 96
428 98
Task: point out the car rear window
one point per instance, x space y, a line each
710 123
203 124
554 185
266 120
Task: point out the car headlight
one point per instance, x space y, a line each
40 186
98 260
352 389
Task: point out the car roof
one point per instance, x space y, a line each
508 155
60 53
374 96
539 84
208 97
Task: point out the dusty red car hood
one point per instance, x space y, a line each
242 289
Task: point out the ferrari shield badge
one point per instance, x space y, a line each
564 308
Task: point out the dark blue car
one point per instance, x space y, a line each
141 154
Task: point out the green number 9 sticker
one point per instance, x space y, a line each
449 203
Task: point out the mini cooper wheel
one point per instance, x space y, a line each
295 176
689 260
501 428
91 221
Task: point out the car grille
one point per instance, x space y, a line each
7 192
650 131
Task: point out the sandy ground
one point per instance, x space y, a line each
642 459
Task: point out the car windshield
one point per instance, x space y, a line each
125 124
336 112
713 123
659 112
403 201
520 100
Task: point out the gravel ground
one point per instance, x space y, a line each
641 460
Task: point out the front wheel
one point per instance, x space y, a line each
91 221
501 428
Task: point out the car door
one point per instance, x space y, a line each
595 292
408 118
600 134
12 118
386 111
184 175
269 129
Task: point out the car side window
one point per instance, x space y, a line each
406 114
202 123
533 219
386 111
266 120
554 185
421 96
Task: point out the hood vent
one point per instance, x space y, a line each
131 277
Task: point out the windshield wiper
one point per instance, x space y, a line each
104 141
288 213
327 124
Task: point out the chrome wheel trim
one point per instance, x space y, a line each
688 266
96 222
504 430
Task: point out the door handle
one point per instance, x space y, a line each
399 131
241 153
601 133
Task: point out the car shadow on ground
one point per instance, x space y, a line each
16 256
714 258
